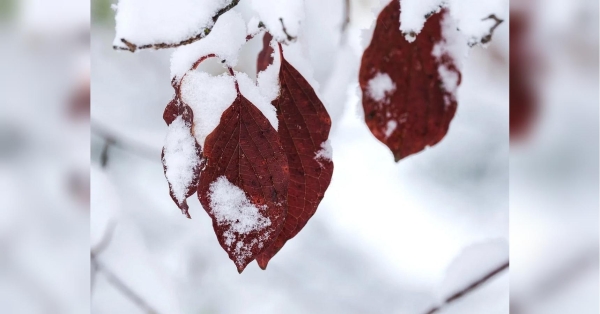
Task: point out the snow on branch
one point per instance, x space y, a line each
151 31
469 288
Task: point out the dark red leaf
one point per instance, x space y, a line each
523 98
174 110
416 113
245 149
304 126
265 56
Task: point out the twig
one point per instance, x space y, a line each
465 291
131 146
113 279
346 21
122 287
289 37
132 47
486 39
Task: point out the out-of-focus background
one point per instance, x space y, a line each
44 156
388 238
554 167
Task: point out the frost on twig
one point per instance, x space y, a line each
129 44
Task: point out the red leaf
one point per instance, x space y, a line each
173 111
414 110
245 149
523 98
265 56
304 126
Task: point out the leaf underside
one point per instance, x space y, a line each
418 112
174 109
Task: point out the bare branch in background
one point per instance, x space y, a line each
112 139
114 280
346 21
563 276
130 46
470 288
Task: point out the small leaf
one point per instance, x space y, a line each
244 156
265 56
408 88
181 156
303 128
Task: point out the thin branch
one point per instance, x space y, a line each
346 21
289 37
470 288
132 47
116 282
131 146
486 39
113 279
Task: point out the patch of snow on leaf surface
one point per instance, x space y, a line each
231 207
225 41
208 96
380 86
391 127
268 79
180 157
157 21
326 151
413 13
254 95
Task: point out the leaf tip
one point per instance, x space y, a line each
262 262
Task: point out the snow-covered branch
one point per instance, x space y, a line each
130 45
468 289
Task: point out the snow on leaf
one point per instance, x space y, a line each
304 126
380 87
425 74
413 15
245 149
208 96
181 154
225 41
162 24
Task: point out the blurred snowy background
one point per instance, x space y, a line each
383 238
388 238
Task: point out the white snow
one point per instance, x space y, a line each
326 151
268 79
225 40
157 21
453 44
390 128
253 28
231 208
290 11
380 87
208 96
254 95
180 157
473 263
412 15
470 15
